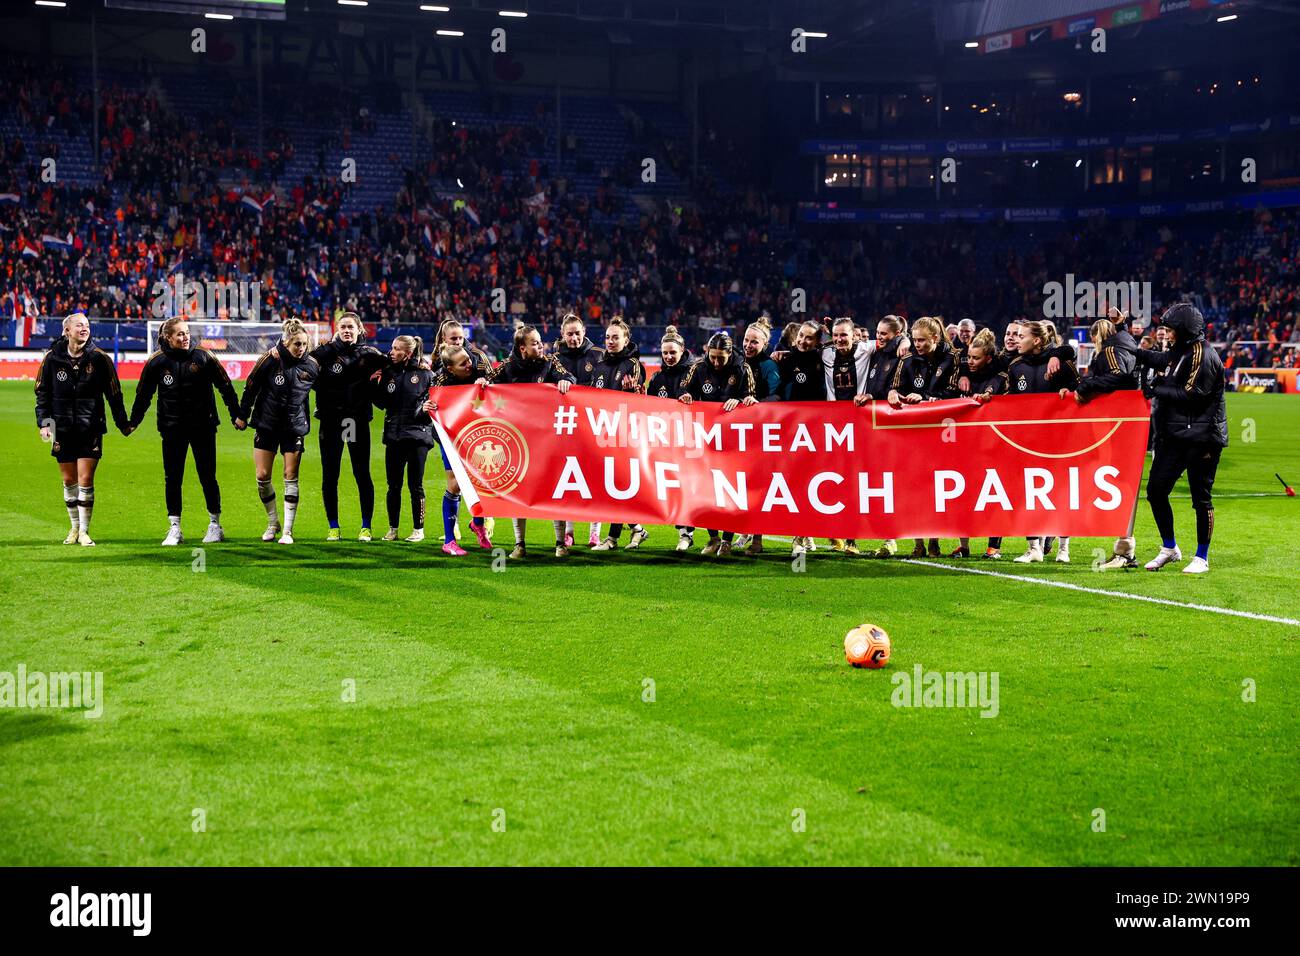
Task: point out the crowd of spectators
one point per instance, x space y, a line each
171 201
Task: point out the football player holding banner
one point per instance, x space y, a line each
74 379
529 363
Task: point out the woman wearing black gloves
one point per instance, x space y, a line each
344 411
74 379
184 378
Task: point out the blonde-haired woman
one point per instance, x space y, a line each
275 403
402 391
184 377
620 369
927 374
1029 374
74 379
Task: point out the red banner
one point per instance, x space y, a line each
1019 465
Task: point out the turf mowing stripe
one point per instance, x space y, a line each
1119 594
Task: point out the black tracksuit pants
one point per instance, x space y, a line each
330 435
176 445
405 456
1201 462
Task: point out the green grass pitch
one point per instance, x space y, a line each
503 717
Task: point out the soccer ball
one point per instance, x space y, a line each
867 646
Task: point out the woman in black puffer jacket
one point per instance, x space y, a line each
620 369
344 411
183 378
275 403
402 391
74 379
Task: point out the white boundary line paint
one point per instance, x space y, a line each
1079 587
1119 594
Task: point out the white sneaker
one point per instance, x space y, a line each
272 531
416 536
174 537
741 542
215 533
391 535
286 538
1063 556
1197 566
606 544
1164 557
812 543
1032 556
798 547
83 539
1119 562
684 542
72 536
637 538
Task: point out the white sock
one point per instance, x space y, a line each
560 527
568 527
174 520
1125 547
266 491
85 505
214 517
290 503
520 525
70 502
1062 544
595 528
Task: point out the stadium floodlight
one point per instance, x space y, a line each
511 13
51 3
1225 19
430 8
972 44
354 3
218 16
451 33
816 36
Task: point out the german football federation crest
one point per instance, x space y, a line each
415 379
496 455
194 366
587 367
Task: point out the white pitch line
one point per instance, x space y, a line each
1079 587
1119 594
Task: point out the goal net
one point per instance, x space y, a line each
238 341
